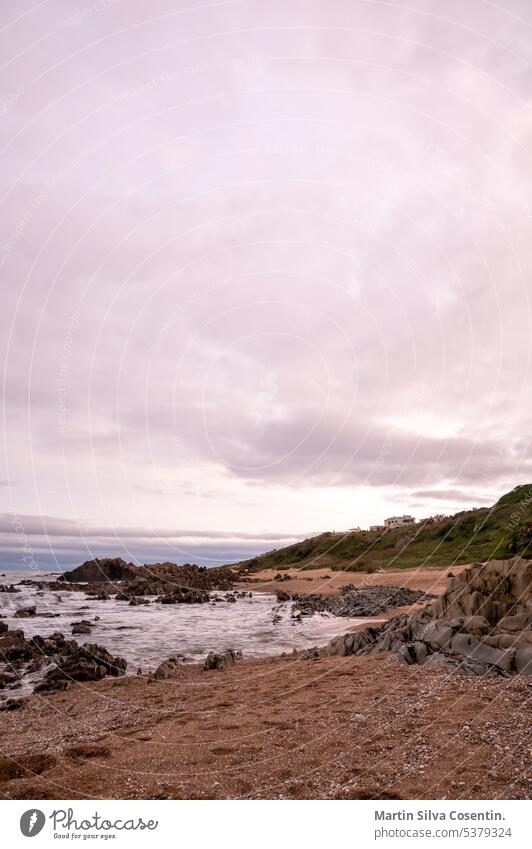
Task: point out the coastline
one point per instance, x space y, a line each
333 728
305 725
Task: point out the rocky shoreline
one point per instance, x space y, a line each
481 625
300 713
354 601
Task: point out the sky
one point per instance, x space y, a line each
265 270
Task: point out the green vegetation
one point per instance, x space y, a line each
471 535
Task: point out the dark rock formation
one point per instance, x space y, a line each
83 627
80 663
25 612
167 668
221 660
72 662
12 704
482 624
356 601
14 648
142 580
183 595
310 654
104 569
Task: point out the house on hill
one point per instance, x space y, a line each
398 522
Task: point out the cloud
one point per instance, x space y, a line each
253 286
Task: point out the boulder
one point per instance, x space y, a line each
282 596
523 661
421 652
404 652
82 627
464 644
519 622
310 654
439 661
89 662
221 660
25 612
166 669
501 658
12 704
14 648
184 595
476 625
437 635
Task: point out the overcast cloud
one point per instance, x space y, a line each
265 270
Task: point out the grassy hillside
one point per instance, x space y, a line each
486 533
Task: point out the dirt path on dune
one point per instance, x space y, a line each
353 727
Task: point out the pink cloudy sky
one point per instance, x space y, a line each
265 270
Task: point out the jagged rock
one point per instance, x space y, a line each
48 645
464 644
105 569
152 579
89 662
14 647
166 669
519 622
481 625
353 602
310 654
221 660
476 625
421 652
523 661
25 612
437 635
12 704
7 679
500 658
82 627
282 596
184 595
8 588
405 652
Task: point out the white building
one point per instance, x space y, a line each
398 522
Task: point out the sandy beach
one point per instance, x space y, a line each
340 728
329 583
279 727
